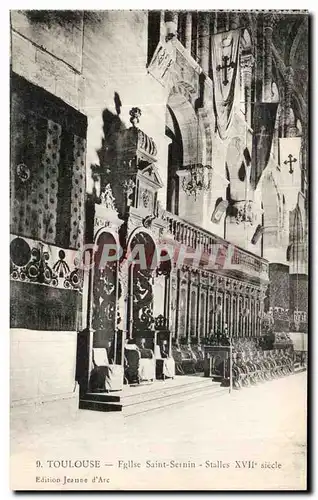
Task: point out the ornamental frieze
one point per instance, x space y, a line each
36 262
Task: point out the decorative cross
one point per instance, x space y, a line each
225 67
290 161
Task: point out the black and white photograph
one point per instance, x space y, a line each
159 227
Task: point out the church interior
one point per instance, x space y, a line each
159 200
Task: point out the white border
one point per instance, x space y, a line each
4 198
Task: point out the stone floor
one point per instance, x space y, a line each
265 423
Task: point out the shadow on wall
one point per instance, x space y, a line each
112 125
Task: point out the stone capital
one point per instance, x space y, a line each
247 62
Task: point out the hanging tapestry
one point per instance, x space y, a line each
47 193
48 149
224 73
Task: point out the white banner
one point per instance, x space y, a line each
224 71
162 62
290 169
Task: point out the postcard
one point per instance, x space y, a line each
159 250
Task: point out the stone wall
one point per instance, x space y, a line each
42 365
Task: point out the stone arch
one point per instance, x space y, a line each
189 124
302 32
134 235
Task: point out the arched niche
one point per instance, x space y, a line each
142 260
105 291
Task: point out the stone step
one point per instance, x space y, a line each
173 399
105 397
87 404
159 392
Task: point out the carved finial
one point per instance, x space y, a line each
107 199
135 114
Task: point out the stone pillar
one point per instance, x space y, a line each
231 325
204 40
234 316
268 34
259 315
188 31
238 315
177 310
171 23
212 306
288 122
247 62
250 316
162 25
199 311
167 298
214 22
245 318
234 20
123 300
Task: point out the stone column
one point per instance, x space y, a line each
234 315
204 40
212 305
167 298
268 34
198 310
188 31
289 80
208 315
171 23
250 316
234 20
231 325
214 23
177 311
162 25
258 320
247 62
238 315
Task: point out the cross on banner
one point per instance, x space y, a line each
290 161
225 67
